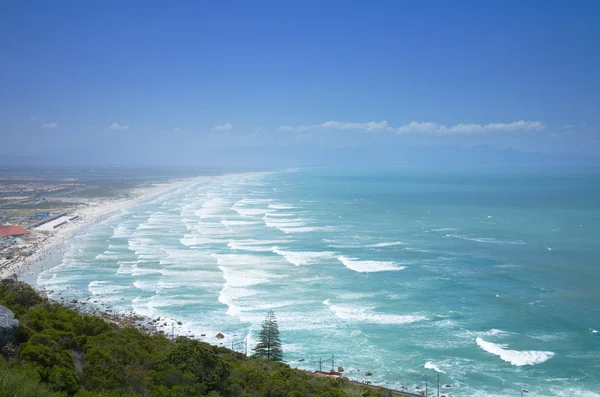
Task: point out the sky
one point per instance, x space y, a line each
291 83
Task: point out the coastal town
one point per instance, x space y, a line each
32 209
18 243
37 212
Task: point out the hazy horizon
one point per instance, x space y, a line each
420 157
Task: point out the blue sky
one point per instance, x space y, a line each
255 83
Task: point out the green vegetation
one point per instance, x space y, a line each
269 343
58 352
98 192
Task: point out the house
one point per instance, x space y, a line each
12 231
329 374
41 215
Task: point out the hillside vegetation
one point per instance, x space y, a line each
59 352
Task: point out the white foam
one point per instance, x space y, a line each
104 288
515 357
228 296
228 223
342 246
360 315
369 266
250 211
132 268
305 229
281 206
183 257
121 231
108 255
191 240
445 229
300 258
563 391
485 239
430 365
244 270
254 245
212 208
278 214
387 244
425 251
284 223
251 201
149 226
240 273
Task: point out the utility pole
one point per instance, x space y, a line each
426 385
172 330
246 346
438 393
332 361
321 362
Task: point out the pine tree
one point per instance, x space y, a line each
269 344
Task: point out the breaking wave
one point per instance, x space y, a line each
515 357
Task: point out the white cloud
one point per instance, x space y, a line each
415 127
50 125
225 127
371 126
466 129
117 126
418 128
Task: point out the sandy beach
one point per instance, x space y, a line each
51 245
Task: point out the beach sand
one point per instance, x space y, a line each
51 247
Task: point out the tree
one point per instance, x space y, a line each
269 345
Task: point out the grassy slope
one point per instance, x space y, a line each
58 352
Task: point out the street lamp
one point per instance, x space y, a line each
524 391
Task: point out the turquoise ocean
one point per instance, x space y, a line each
490 280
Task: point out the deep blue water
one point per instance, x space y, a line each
490 280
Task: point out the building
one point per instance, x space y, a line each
329 374
12 231
41 215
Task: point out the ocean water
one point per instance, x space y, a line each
489 280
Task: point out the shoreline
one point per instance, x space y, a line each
52 247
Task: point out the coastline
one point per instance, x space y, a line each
353 298
52 247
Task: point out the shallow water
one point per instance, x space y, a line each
489 280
